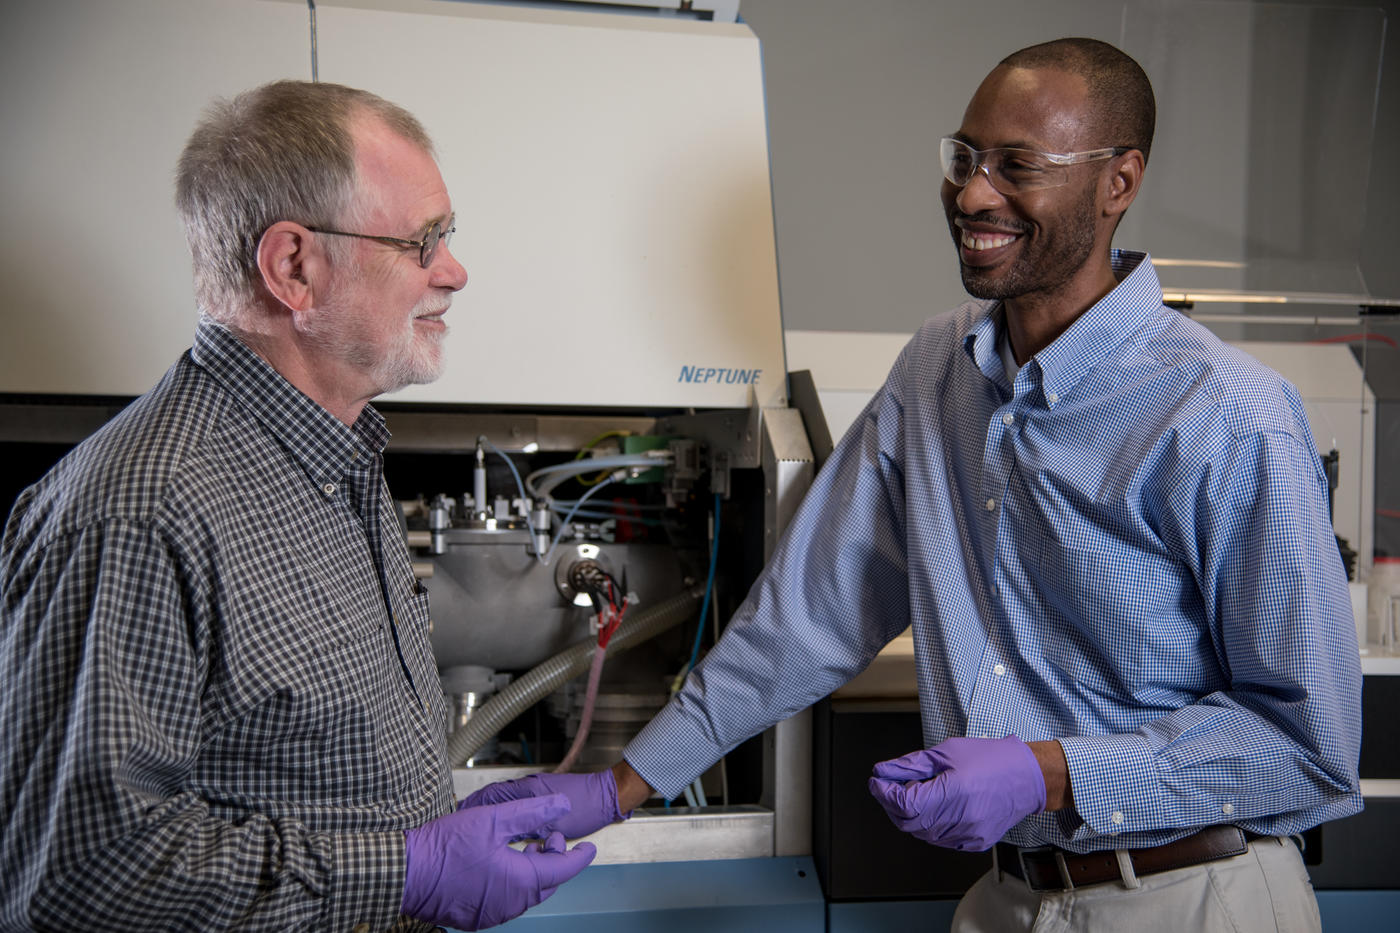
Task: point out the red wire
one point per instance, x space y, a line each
610 618
1352 338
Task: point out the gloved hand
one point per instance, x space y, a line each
462 874
592 799
963 793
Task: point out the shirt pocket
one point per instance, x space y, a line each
1119 617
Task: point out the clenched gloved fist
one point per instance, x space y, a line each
962 794
592 799
461 872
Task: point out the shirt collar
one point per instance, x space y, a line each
321 443
981 341
1102 327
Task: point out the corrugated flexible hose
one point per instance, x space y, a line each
542 680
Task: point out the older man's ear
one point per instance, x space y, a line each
291 264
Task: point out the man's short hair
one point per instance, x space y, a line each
282 151
1120 94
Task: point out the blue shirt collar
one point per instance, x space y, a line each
1059 367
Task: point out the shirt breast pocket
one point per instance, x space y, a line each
1116 613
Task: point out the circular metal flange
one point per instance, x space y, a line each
566 563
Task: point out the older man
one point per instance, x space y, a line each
221 705
1109 533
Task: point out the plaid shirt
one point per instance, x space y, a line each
220 703
1126 548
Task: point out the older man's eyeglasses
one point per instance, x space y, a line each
438 233
1014 171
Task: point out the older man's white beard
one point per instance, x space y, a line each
410 358
413 358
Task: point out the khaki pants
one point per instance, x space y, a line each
1266 890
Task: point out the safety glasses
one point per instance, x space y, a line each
1014 171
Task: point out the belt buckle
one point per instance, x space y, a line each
1066 881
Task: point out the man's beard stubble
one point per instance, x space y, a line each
1039 268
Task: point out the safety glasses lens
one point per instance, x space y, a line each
959 161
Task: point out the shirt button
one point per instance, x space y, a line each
1228 809
1008 418
999 669
1052 398
991 505
1116 817
329 489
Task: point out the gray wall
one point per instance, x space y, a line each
858 94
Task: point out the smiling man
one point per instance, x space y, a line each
1031 216
221 705
1137 666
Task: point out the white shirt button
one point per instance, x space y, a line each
1228 809
991 504
999 669
1116 817
1008 418
329 489
1052 398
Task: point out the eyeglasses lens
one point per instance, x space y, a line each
430 242
435 235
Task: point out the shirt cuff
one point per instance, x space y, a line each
672 750
1113 780
367 889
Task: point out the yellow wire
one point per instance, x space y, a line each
589 446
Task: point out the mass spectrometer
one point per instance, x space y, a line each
611 450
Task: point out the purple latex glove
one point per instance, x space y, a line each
592 799
963 793
461 873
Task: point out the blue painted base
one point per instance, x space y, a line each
765 895
782 895
1359 911
932 916
1342 912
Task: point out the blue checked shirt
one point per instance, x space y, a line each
220 703
1127 549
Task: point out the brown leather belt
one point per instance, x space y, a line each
1052 869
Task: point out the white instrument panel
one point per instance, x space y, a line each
609 172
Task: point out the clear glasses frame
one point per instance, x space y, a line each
427 246
1014 171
